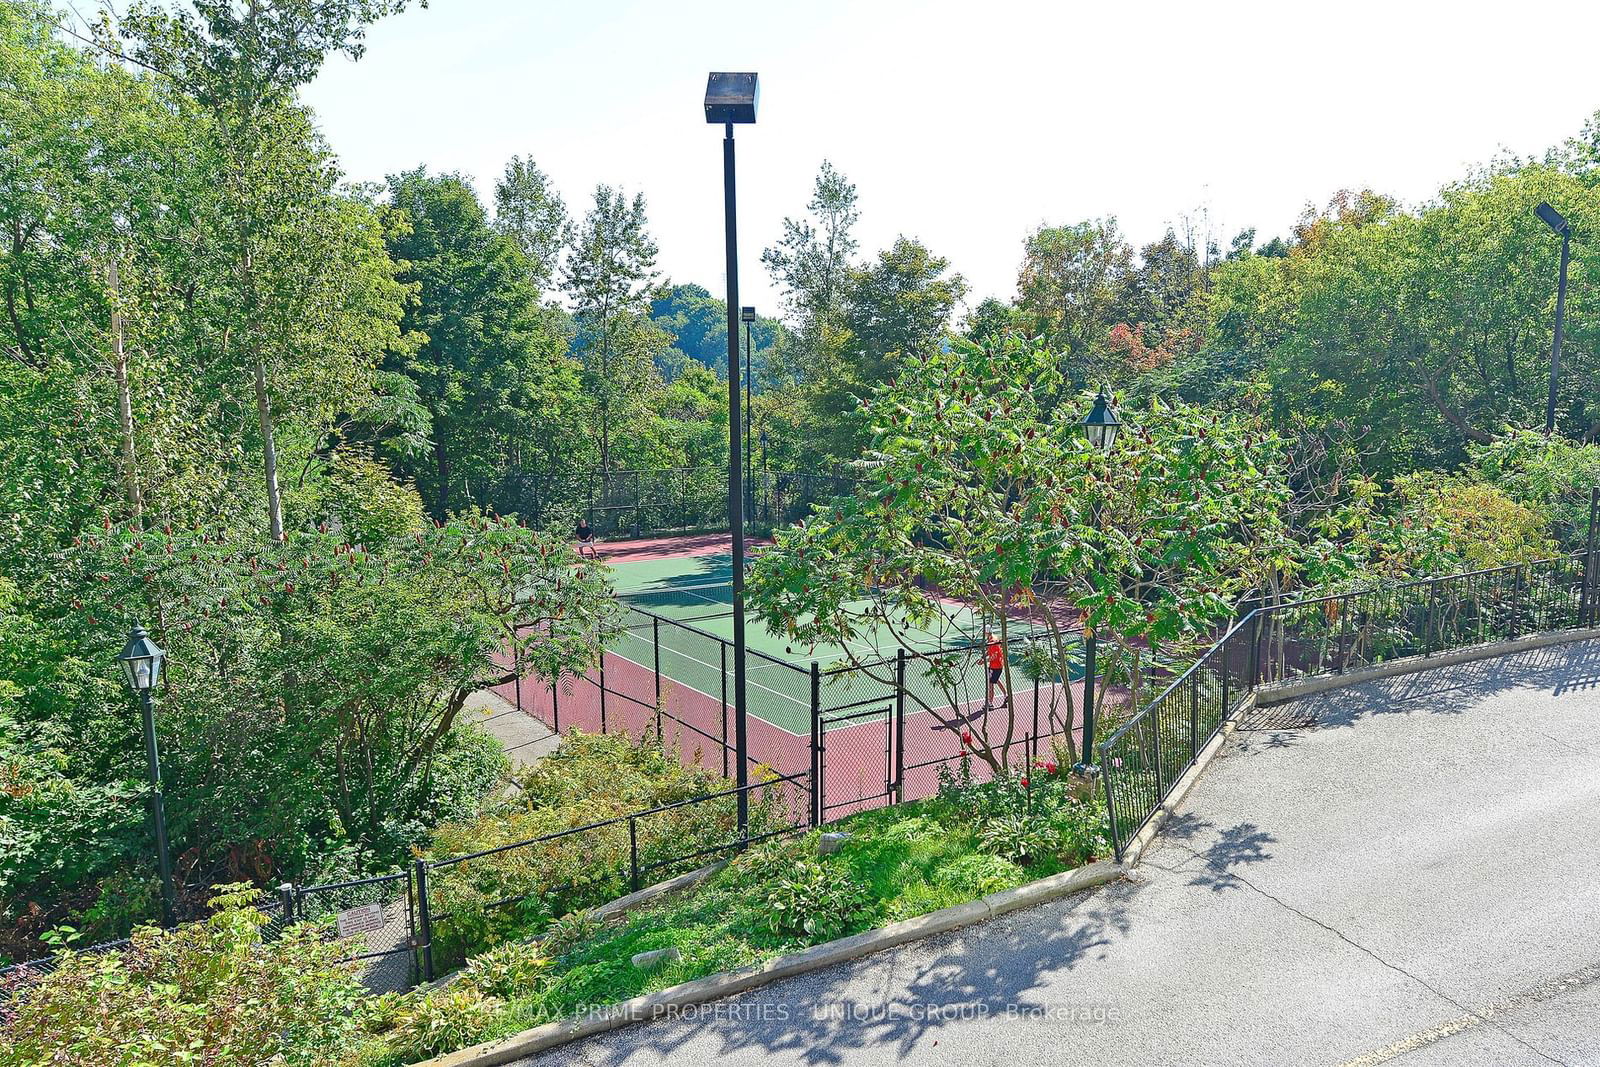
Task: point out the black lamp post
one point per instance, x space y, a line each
747 315
1554 219
142 660
731 98
1101 427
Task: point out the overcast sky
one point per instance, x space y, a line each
965 124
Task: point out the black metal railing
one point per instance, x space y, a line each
1145 757
876 733
465 900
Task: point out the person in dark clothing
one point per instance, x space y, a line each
585 534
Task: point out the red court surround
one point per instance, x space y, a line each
686 545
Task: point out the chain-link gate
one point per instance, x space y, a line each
379 913
855 759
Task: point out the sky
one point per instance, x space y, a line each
964 125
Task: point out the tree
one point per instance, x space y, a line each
1068 285
1156 292
529 211
1434 328
273 183
698 323
992 318
316 675
979 498
492 372
608 278
896 309
810 265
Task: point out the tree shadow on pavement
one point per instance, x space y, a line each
1219 851
984 971
1454 689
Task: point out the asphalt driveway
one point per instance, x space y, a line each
1416 880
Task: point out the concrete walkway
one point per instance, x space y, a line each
1414 881
527 740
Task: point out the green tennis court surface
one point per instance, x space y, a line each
697 591
694 590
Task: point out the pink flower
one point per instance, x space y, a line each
1049 768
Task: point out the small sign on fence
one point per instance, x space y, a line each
362 920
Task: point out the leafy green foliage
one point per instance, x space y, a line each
312 698
492 371
444 1020
816 901
900 862
981 494
589 779
1548 474
506 971
608 275
214 991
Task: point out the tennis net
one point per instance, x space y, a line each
685 603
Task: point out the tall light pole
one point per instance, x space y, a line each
1100 426
747 315
731 98
1554 219
142 660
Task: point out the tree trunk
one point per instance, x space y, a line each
269 455
119 372
441 461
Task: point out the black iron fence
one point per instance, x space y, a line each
466 902
638 502
825 742
1143 759
868 733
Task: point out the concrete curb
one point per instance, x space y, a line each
1281 692
729 983
1152 827
607 912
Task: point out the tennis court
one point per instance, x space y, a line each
870 720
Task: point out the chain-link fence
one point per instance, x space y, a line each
634 503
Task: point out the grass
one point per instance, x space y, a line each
900 862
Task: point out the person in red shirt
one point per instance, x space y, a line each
997 663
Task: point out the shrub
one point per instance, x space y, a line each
382 1013
1082 829
568 932
214 986
443 1021
1020 836
588 779
816 901
508 970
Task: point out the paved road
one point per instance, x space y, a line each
1416 881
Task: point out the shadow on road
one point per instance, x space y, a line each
1220 851
984 971
1558 669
